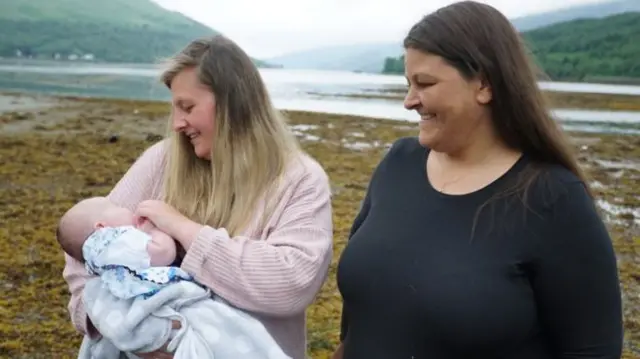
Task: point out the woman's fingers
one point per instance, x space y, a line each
162 352
158 354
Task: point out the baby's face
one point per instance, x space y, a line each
114 216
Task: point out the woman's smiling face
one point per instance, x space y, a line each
450 106
193 111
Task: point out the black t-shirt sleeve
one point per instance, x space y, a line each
575 280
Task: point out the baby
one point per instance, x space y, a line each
139 294
132 258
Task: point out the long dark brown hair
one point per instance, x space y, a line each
480 42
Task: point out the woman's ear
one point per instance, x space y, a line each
483 93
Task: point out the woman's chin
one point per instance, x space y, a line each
426 138
202 153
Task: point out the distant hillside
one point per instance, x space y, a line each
135 31
357 57
371 57
578 50
354 57
589 11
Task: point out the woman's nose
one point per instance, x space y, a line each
411 100
179 124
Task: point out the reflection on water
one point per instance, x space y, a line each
290 89
582 120
590 88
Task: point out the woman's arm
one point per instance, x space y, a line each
136 185
344 319
363 212
76 276
281 275
575 281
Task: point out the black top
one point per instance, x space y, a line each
418 284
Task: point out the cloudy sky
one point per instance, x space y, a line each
269 28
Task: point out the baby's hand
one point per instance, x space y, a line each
162 248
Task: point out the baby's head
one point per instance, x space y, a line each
79 222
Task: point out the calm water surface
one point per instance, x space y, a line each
307 90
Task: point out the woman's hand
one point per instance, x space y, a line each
92 331
162 215
162 352
339 353
158 354
169 220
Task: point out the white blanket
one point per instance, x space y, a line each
211 328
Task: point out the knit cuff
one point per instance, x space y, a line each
200 250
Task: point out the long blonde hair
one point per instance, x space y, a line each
251 148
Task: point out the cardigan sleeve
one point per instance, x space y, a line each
278 276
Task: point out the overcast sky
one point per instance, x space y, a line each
273 27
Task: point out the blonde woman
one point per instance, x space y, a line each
231 185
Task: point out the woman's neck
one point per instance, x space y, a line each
477 151
469 170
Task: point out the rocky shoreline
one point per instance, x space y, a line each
557 99
55 151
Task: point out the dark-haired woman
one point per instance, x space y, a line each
479 238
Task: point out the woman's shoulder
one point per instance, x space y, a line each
557 185
402 154
405 146
155 153
559 179
305 168
158 149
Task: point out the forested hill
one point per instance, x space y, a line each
581 50
102 30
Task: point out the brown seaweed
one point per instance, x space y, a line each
52 157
